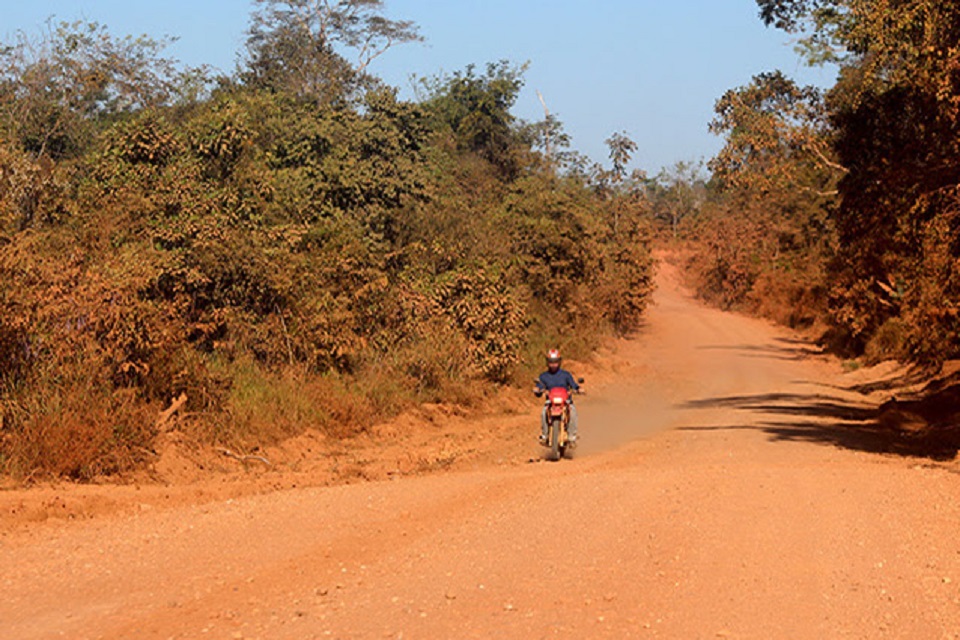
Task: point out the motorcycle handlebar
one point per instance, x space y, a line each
537 391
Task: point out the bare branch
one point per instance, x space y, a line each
813 145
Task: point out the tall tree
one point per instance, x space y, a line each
621 149
301 46
896 116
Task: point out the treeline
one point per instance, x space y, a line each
291 246
841 208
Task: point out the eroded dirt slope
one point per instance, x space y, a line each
731 484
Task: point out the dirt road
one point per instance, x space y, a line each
728 486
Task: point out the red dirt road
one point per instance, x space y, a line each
727 487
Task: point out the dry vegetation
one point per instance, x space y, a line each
290 247
838 209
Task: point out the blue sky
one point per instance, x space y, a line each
652 68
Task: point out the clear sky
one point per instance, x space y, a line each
652 68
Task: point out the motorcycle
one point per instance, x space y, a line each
558 419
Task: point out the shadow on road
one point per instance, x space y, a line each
782 349
829 420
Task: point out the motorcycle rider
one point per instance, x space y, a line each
552 378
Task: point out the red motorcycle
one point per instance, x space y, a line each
558 418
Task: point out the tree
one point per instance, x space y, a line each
621 149
299 46
777 139
895 119
681 191
56 91
886 42
611 183
54 88
476 109
794 15
549 137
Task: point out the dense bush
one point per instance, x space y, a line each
287 253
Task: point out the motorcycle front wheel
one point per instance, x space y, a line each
555 451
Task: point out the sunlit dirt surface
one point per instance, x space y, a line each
728 486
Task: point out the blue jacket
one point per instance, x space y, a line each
561 379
